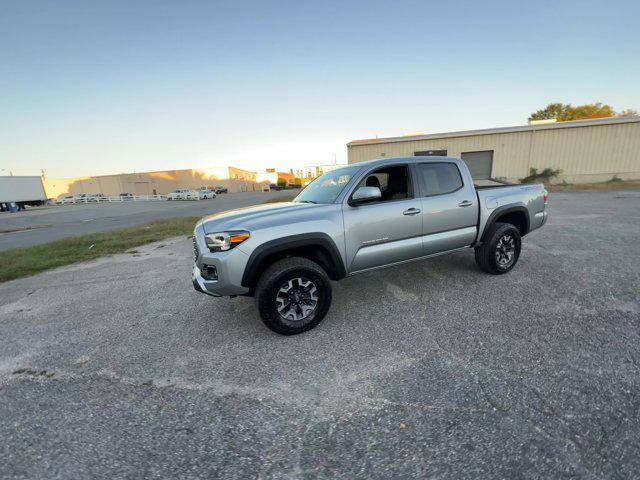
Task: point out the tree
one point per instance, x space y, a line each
553 110
629 112
565 112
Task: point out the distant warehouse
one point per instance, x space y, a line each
153 183
585 151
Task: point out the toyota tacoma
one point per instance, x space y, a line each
355 219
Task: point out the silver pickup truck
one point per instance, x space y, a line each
355 219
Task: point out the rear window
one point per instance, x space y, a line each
438 178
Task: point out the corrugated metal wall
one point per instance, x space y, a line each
584 154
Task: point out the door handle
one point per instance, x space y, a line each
466 203
411 211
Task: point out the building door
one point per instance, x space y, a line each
431 153
479 163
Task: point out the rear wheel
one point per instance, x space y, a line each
500 250
293 295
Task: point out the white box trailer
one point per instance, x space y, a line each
22 190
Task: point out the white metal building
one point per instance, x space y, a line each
585 150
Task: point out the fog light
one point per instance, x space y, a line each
209 272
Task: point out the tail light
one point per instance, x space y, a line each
545 195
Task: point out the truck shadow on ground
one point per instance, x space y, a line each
408 282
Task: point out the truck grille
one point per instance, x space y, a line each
196 252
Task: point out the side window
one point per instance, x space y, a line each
393 182
439 178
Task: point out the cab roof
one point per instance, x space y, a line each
417 159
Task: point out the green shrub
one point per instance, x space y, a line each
544 176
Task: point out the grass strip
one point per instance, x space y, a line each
23 262
603 186
286 198
22 229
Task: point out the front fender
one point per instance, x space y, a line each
291 242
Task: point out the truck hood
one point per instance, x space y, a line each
245 218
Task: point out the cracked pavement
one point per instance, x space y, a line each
431 369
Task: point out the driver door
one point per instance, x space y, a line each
388 230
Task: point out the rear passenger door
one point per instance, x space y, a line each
449 207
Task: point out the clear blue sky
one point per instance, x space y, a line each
93 87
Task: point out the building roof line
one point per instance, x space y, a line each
490 131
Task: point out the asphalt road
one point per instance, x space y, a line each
47 224
118 369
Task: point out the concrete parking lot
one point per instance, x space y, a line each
47 224
118 369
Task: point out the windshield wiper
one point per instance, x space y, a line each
306 201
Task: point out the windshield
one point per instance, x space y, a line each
327 187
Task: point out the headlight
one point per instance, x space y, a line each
220 242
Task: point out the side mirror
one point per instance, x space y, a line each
365 194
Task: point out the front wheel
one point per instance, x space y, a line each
500 250
293 295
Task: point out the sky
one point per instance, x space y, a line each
98 87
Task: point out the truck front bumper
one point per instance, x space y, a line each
228 266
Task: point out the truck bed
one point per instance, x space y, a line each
491 183
500 198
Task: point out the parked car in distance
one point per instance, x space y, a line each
183 194
126 196
220 189
66 199
275 187
206 193
356 219
78 198
96 197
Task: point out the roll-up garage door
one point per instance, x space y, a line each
479 163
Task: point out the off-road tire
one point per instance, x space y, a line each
270 283
486 254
